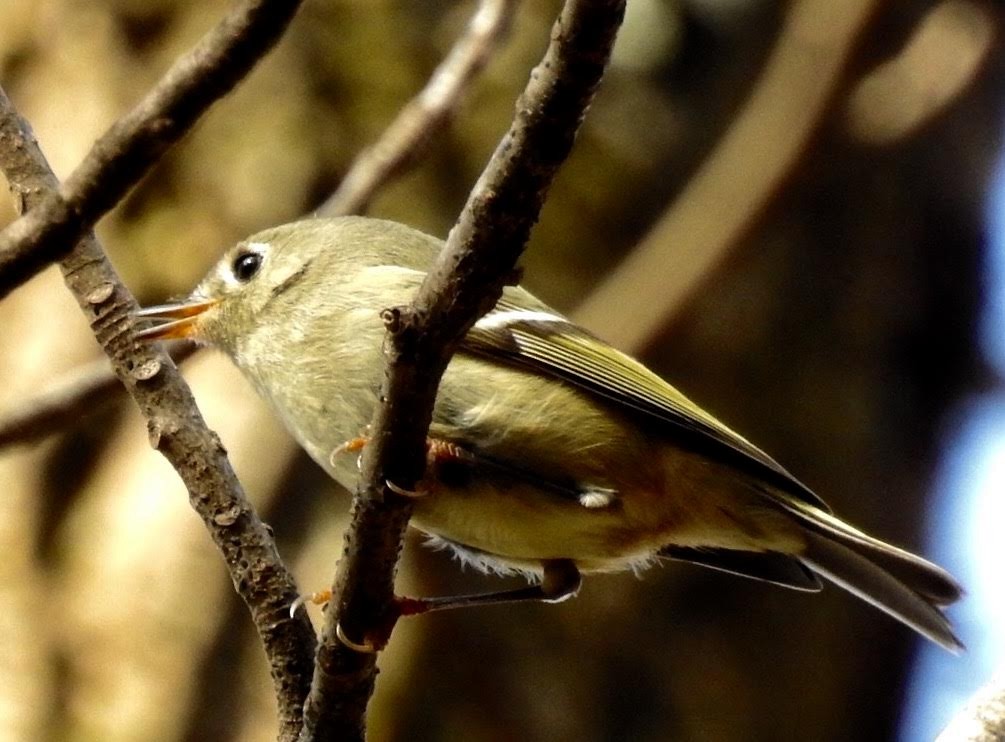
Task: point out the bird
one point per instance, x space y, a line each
550 454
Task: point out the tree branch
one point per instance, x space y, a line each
399 148
983 718
717 208
408 136
465 282
178 431
135 142
947 50
81 391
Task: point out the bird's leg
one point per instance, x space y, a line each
353 445
561 580
439 452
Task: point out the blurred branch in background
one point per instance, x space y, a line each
737 182
407 137
79 392
177 429
136 141
53 225
399 148
83 390
465 282
983 719
940 60
764 145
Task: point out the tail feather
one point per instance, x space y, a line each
901 584
927 579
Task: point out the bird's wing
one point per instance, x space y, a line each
523 331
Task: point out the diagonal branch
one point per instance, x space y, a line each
718 208
399 148
466 281
136 141
178 431
406 139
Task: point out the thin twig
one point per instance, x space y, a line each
466 281
80 392
747 168
178 431
408 136
135 142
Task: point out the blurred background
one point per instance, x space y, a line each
794 211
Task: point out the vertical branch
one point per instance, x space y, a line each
466 281
178 431
54 226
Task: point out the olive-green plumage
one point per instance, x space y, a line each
570 449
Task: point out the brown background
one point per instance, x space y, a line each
838 332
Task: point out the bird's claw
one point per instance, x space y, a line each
319 598
367 647
419 491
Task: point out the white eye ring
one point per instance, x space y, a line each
246 265
248 261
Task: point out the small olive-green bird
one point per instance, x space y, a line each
550 453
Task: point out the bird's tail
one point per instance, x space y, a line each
902 584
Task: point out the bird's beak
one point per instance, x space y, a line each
171 321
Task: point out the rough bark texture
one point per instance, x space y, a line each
466 281
177 430
837 329
137 140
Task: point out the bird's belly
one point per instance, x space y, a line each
520 526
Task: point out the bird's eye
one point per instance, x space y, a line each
246 265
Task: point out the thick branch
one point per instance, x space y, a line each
136 141
466 281
178 431
406 139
